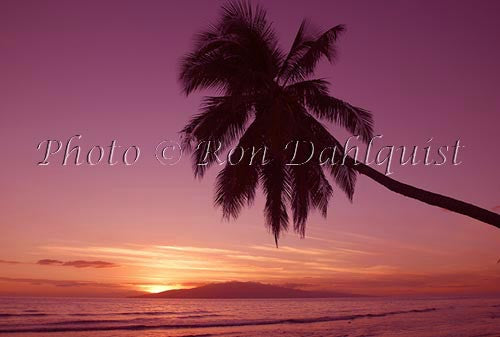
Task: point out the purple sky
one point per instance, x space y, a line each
108 70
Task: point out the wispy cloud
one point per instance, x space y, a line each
10 262
78 263
287 249
60 283
197 249
181 264
358 259
49 262
354 266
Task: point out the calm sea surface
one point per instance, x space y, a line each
453 317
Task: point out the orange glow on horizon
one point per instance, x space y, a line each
158 288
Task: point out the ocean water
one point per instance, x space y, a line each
356 317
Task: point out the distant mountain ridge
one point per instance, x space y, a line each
236 289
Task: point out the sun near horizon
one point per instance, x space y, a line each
158 288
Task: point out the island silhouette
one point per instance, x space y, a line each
235 289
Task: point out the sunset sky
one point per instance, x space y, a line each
107 70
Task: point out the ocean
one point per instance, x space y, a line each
353 317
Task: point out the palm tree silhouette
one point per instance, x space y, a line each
268 98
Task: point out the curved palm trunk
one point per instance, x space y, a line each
430 198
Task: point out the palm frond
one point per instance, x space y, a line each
221 121
242 44
314 94
210 70
235 187
276 185
311 52
310 188
236 184
344 175
297 46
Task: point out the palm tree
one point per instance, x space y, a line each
267 98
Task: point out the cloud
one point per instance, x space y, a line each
359 260
49 262
10 262
288 249
496 208
78 263
90 264
198 249
60 283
